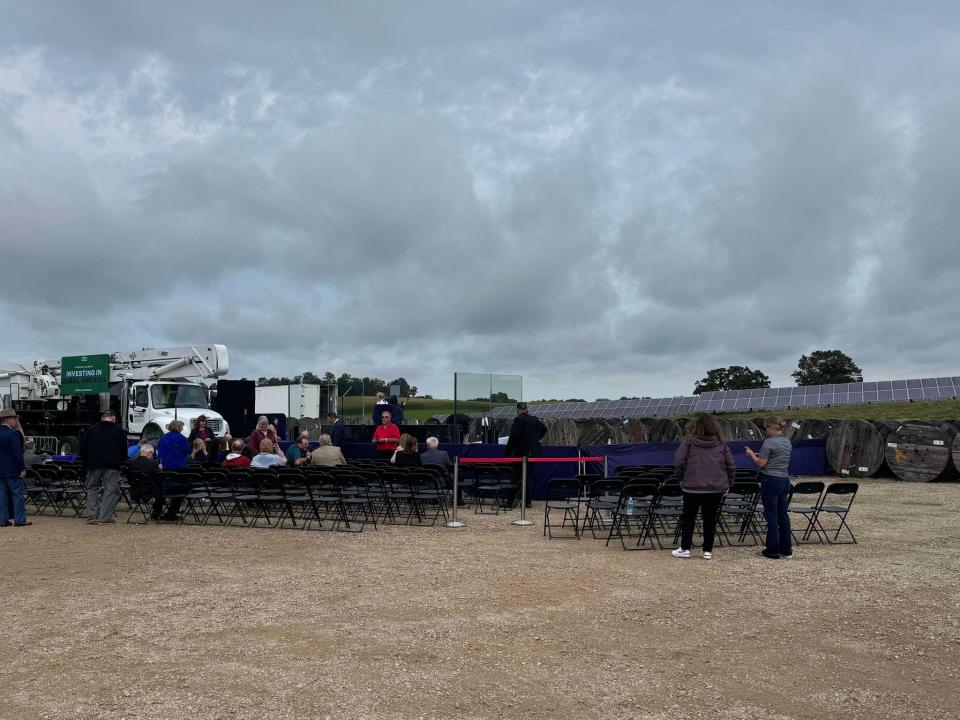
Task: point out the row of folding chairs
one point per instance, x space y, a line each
651 512
321 499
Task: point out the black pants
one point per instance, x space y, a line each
707 504
158 502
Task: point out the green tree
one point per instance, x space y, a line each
826 367
406 389
735 377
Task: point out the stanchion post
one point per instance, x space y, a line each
523 496
454 523
606 472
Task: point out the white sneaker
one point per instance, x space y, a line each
681 553
707 555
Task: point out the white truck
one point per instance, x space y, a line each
57 400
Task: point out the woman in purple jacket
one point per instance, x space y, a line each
705 468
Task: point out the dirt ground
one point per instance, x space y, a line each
489 621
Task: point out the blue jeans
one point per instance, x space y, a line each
19 505
774 494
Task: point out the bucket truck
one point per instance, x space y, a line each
57 400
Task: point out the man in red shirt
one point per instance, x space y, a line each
386 437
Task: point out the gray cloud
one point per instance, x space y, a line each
606 199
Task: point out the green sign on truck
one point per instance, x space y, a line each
84 374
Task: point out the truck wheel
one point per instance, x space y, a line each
151 433
69 445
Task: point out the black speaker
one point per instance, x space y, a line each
236 401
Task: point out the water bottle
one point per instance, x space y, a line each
630 505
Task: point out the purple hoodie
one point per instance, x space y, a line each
704 465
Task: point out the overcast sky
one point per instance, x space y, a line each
607 198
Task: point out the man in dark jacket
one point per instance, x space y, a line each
336 432
524 440
104 448
11 470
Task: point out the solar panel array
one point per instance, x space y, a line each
758 400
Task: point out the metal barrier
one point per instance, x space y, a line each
454 523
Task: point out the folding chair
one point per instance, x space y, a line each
738 515
805 498
140 494
601 500
842 495
632 515
666 513
563 494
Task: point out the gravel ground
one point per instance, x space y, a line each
490 621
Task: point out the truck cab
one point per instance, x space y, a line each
153 404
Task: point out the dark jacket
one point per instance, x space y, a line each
525 435
407 459
704 465
104 446
144 465
336 433
172 451
211 440
11 453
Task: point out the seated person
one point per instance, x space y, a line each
146 461
198 453
30 455
146 464
327 454
134 450
266 457
298 454
406 454
434 456
235 458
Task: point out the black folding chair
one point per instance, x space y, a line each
805 498
563 494
842 495
737 517
601 500
632 516
666 514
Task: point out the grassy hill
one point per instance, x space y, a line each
916 410
420 409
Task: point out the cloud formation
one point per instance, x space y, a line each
608 199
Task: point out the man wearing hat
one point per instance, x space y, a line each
11 470
524 441
104 448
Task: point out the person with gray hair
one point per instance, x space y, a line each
435 456
235 458
327 454
30 455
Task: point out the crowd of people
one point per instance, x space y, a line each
703 461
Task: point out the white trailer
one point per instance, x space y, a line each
296 401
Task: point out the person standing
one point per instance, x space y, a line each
260 433
386 437
524 440
337 430
202 432
774 463
486 429
12 471
705 467
104 448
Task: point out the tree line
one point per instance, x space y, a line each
346 383
821 367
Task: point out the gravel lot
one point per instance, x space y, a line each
491 621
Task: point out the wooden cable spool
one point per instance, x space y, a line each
855 449
638 431
746 430
811 429
921 452
664 430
